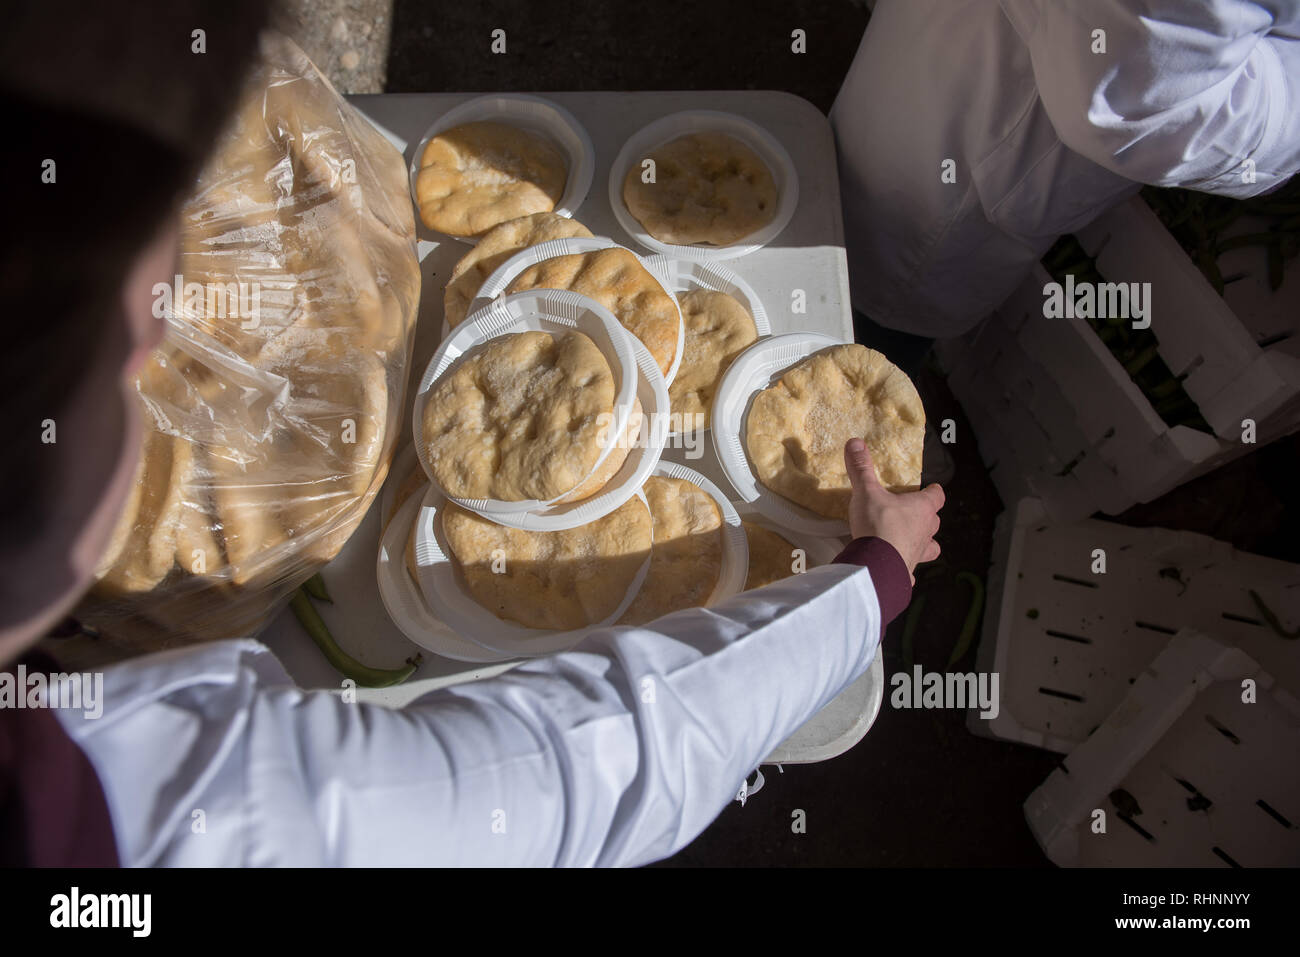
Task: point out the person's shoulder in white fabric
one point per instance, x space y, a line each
1202 95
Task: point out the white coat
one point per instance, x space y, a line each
617 753
1047 123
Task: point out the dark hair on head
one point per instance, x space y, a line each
120 99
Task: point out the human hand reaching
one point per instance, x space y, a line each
906 520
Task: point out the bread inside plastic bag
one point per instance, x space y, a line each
271 408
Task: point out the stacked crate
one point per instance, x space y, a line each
1135 675
1057 417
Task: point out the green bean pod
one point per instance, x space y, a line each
909 630
339 659
973 612
315 587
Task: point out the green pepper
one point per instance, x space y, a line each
909 630
1136 364
967 634
1174 404
1168 387
341 661
315 587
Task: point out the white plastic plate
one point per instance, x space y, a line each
403 601
556 312
668 128
754 370
687 275
840 725
442 588
641 459
404 462
495 284
532 113
735 546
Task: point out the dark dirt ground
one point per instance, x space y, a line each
919 790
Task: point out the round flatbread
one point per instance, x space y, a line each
496 246
618 454
798 427
709 188
687 557
718 328
521 417
550 580
475 176
771 557
616 279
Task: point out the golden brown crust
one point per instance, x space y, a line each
519 418
771 557
616 279
549 580
709 188
496 246
718 328
798 427
478 175
607 469
687 557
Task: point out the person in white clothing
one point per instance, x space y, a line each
973 133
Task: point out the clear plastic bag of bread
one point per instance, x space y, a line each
272 406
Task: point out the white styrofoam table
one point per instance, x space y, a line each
808 255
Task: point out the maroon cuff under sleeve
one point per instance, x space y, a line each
888 572
53 812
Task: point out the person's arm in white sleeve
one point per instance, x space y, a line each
1184 93
617 753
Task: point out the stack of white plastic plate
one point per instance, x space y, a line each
435 610
735 546
495 285
754 370
403 599
665 129
687 275
636 376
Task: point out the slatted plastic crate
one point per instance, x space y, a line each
1215 339
1191 770
1055 414
1068 643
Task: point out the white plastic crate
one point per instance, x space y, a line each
1209 779
1068 643
1215 339
1056 416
